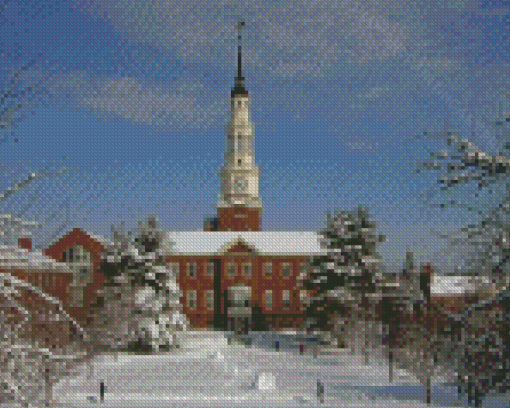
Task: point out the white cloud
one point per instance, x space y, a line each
439 64
154 106
289 37
362 145
374 93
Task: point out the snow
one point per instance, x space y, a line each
457 284
208 372
13 257
263 242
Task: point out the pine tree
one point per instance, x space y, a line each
339 278
141 296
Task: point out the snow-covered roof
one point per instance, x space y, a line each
101 239
13 257
263 242
456 285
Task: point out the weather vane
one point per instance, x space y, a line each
240 78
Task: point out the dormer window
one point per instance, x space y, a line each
76 254
80 263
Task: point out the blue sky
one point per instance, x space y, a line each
134 101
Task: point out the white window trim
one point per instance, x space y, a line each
266 264
289 265
251 269
174 268
189 298
209 264
268 294
190 264
228 268
302 296
284 298
209 294
303 267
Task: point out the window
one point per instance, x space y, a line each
303 297
286 270
238 104
231 269
239 140
77 296
77 257
192 270
209 299
192 299
268 269
174 268
286 299
239 162
210 268
303 269
247 269
268 299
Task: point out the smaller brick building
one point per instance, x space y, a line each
81 253
24 265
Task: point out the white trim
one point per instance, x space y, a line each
258 254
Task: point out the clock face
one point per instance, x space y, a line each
239 185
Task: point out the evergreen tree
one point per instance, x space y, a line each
141 303
349 267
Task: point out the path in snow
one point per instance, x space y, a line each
207 372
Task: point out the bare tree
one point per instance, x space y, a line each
39 343
22 92
486 243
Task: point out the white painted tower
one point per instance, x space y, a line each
239 196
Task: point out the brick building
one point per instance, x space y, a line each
232 271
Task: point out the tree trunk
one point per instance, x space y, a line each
429 391
391 366
366 343
48 394
91 369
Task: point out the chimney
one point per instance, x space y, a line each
25 243
426 279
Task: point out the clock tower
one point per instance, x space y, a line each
239 206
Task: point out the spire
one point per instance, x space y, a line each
239 88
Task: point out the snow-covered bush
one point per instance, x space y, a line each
141 297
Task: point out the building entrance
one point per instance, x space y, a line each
239 313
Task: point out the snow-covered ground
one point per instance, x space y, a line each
208 372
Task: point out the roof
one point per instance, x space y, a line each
13 257
304 243
456 285
99 238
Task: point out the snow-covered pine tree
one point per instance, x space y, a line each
141 306
338 279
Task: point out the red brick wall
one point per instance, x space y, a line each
239 219
257 281
54 284
79 237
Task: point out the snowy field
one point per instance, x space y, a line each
208 372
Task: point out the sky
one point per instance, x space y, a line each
348 98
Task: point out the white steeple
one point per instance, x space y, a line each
239 174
